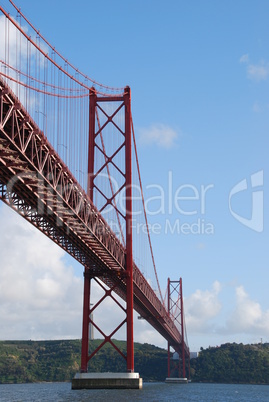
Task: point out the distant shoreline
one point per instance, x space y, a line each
23 362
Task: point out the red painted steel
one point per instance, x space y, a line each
107 338
85 325
94 132
36 183
176 312
182 330
87 276
91 143
168 308
129 236
63 59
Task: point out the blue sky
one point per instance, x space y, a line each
199 76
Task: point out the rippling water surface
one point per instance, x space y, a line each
61 392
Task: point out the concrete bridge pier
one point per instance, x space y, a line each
107 381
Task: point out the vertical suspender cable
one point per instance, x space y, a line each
145 214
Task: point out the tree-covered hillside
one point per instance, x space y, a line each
232 363
31 361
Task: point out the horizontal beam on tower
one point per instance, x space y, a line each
36 183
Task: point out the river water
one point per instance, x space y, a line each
61 392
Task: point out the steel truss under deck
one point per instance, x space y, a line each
36 183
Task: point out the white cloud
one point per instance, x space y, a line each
15 51
258 72
201 307
145 333
40 295
244 58
160 134
14 41
247 316
209 323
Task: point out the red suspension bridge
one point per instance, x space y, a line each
69 166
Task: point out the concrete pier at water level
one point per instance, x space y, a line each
171 380
107 381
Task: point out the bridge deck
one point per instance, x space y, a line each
37 184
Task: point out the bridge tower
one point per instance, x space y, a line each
39 179
177 373
96 177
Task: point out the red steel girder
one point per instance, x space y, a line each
125 102
36 183
175 310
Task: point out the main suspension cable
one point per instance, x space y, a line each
113 89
